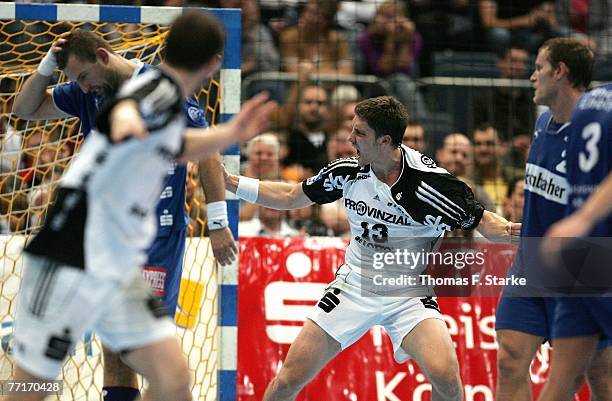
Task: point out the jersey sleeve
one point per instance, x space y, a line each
195 115
68 97
448 200
328 185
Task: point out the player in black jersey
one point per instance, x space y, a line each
397 199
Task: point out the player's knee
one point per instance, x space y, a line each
446 380
511 359
288 382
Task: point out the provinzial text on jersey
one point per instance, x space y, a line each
362 209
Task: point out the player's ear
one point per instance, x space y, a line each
562 70
103 55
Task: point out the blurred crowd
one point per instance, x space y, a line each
394 41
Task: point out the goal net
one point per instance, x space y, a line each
34 155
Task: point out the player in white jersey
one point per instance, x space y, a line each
82 271
397 200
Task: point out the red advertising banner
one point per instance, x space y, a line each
281 279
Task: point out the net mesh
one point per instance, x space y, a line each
34 155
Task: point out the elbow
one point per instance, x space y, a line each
20 111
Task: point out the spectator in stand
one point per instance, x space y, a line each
339 146
456 156
488 171
510 109
391 47
342 101
515 200
307 222
527 21
263 162
414 136
267 223
263 153
591 21
258 51
14 214
307 139
312 46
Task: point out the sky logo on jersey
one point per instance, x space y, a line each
436 223
332 182
315 178
547 184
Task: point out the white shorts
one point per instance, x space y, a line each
346 314
58 304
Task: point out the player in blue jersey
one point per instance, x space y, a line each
580 322
95 72
562 73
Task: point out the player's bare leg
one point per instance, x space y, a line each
430 344
116 373
165 368
516 351
308 354
23 376
571 358
599 375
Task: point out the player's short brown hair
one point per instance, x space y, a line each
83 44
575 55
194 39
385 115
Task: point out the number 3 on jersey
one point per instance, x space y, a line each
380 232
591 134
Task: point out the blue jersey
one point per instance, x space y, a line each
170 210
546 188
589 159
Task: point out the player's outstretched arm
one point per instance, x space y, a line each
252 119
272 194
34 101
496 228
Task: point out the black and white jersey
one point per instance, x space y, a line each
104 216
412 214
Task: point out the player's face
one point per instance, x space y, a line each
365 142
543 80
92 77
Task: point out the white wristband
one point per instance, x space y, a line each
47 64
217 215
248 189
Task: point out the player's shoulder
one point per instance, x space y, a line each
195 114
416 160
598 99
339 170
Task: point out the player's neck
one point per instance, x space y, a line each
125 67
564 104
388 166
